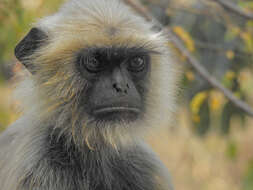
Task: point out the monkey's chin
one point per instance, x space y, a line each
117 114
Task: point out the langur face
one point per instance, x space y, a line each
118 78
100 70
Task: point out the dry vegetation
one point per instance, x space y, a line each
214 162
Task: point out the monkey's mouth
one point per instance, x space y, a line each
109 110
117 113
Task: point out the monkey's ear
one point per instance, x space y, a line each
31 42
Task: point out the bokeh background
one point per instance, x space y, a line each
211 145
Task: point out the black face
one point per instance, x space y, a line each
117 77
118 81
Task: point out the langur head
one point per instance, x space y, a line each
100 73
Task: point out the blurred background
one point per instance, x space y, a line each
211 145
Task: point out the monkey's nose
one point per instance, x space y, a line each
121 88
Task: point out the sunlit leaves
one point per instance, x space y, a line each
216 100
16 17
197 101
248 180
228 79
232 33
185 37
190 76
230 54
248 41
247 5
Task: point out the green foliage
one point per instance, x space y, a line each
16 17
203 125
232 150
228 112
4 121
225 48
248 179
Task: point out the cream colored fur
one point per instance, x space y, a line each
98 23
52 95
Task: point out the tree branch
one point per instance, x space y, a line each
191 59
234 8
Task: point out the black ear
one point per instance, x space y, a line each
31 42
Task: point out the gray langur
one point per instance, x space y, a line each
100 78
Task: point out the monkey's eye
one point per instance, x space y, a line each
91 64
136 64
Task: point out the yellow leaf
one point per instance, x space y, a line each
197 101
190 75
235 30
216 100
230 54
178 54
169 11
237 94
196 118
185 37
248 40
230 75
